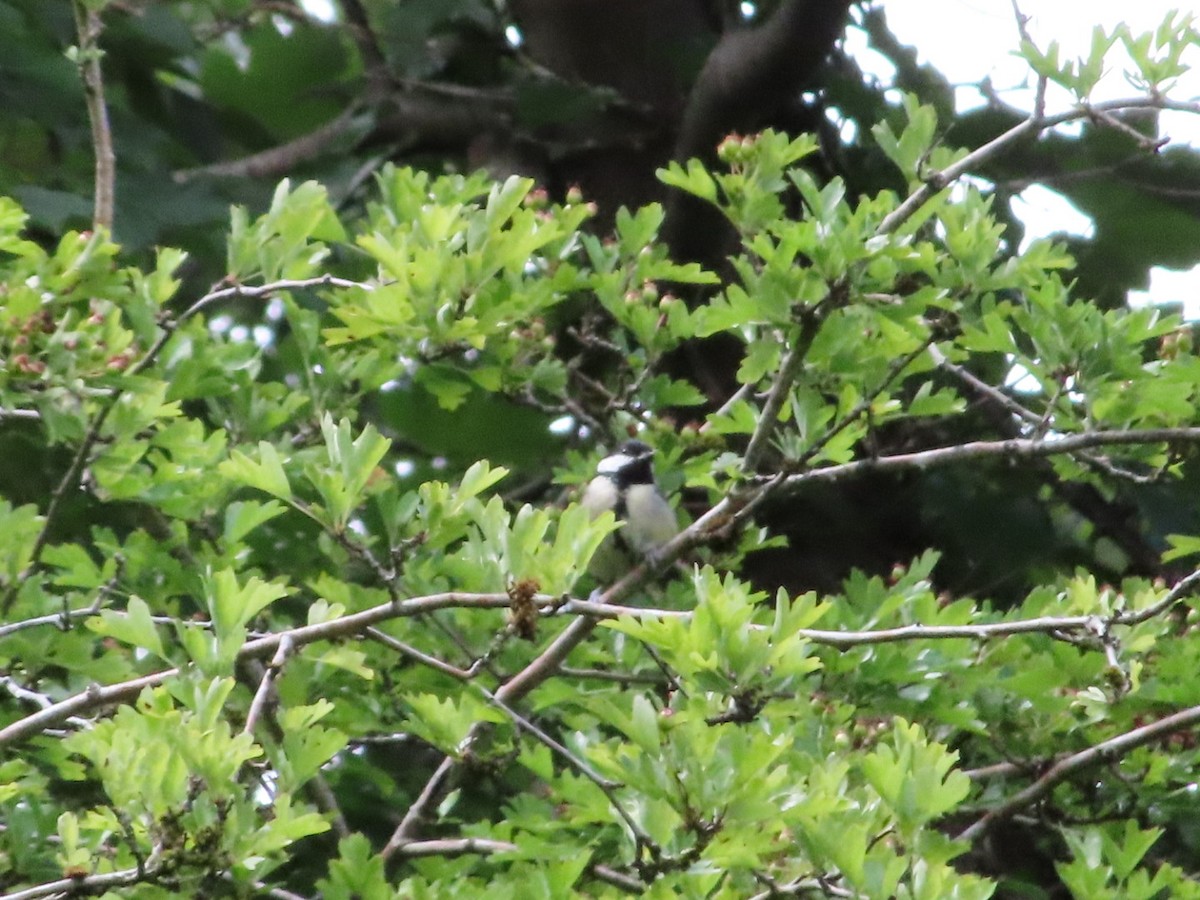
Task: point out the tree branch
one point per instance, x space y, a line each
1065 767
91 884
768 62
1011 449
270 673
781 386
939 181
88 28
276 161
590 612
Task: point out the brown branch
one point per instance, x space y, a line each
781 386
589 613
91 884
270 673
939 181
96 696
1104 751
88 28
279 160
93 697
1011 449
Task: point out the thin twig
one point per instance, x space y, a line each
821 887
522 723
88 28
282 652
57 618
418 655
1043 81
781 386
894 370
609 789
1181 589
1144 141
512 691
610 675
736 397
31 415
979 386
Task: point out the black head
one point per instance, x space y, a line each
636 449
631 464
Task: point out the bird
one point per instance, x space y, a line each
624 483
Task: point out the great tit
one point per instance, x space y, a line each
624 483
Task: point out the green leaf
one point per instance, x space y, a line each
242 517
695 179
266 474
1181 545
231 605
357 873
133 627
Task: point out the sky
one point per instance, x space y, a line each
968 40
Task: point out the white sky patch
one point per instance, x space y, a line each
563 425
320 9
1046 212
1168 286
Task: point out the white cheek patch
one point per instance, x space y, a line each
611 465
